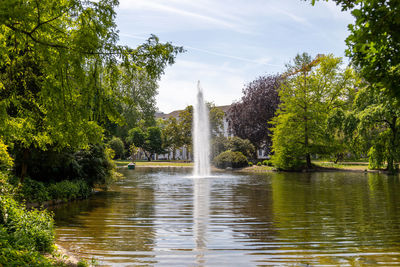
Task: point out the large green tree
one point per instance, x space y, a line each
312 89
374 41
378 128
62 72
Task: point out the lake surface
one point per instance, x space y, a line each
164 217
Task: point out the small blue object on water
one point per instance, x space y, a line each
131 166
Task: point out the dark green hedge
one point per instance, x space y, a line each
230 159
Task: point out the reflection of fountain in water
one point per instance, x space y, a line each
201 213
201 137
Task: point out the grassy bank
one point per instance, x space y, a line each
359 166
320 165
155 163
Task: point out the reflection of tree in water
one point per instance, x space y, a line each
67 214
336 212
115 221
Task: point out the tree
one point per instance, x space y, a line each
150 141
341 127
216 120
378 127
133 150
153 143
311 90
137 137
374 41
185 124
173 136
249 117
117 146
61 72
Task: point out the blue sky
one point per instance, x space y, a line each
230 42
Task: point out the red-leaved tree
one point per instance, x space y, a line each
249 117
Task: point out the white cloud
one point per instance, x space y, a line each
222 84
186 9
229 42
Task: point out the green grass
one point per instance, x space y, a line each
256 168
342 165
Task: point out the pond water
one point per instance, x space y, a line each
164 217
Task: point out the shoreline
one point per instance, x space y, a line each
65 256
354 167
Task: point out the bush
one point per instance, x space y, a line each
6 161
288 160
68 190
267 163
25 230
34 191
94 165
259 164
241 145
13 257
230 159
117 145
250 164
235 144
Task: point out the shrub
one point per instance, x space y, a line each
6 161
259 164
5 186
287 160
34 191
230 159
267 163
235 144
68 190
25 230
250 163
117 145
241 145
14 257
94 165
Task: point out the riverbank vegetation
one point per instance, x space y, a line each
66 86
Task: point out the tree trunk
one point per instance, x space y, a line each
308 161
187 153
174 153
148 156
308 156
390 165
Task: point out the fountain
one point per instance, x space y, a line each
201 137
